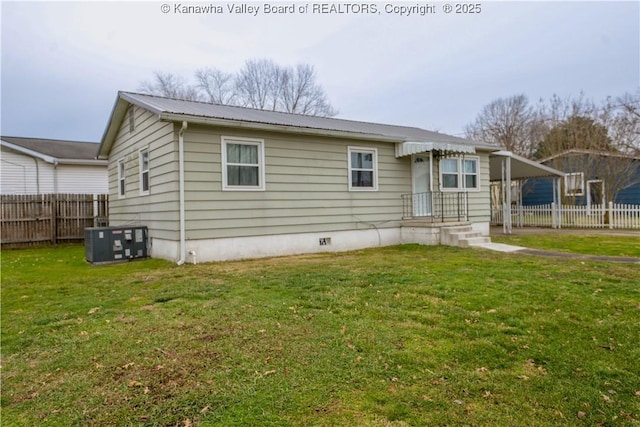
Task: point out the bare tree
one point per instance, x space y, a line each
577 132
596 141
301 94
170 86
507 122
617 171
216 86
622 117
261 84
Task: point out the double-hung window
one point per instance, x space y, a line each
121 178
363 169
144 171
470 173
243 164
449 171
459 173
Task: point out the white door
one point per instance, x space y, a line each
421 171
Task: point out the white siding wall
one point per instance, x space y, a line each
20 175
82 179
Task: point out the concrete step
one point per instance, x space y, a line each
471 242
452 235
454 239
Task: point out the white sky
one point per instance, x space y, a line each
63 62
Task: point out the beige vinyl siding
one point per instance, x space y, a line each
479 206
307 184
159 209
307 187
479 201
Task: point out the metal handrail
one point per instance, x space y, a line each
436 205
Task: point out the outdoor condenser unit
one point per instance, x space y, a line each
113 244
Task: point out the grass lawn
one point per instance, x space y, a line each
398 336
588 244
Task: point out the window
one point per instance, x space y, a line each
121 178
470 173
243 164
449 172
459 174
574 184
363 168
144 171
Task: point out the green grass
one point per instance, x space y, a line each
405 335
588 244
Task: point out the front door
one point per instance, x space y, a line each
421 172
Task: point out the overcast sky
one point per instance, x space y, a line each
64 62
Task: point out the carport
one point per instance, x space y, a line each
505 167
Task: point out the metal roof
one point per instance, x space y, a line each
521 167
51 150
205 113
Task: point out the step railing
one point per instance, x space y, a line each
436 206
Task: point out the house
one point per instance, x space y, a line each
45 166
220 182
591 178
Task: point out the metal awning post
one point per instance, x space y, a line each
558 198
508 194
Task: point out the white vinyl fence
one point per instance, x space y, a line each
611 215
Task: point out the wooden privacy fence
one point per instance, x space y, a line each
31 220
611 215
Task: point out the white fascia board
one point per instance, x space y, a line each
83 162
113 124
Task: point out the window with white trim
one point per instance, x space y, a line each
144 171
459 173
470 173
363 169
243 164
449 172
574 184
121 177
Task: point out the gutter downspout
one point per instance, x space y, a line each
183 245
55 177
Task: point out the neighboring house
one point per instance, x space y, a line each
219 182
591 178
45 166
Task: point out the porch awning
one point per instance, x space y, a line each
408 148
521 168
